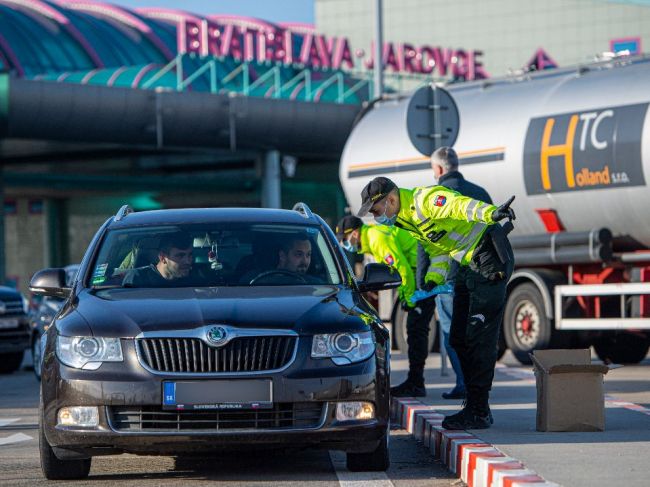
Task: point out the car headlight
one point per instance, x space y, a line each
88 352
25 304
343 348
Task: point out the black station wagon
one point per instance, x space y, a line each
198 330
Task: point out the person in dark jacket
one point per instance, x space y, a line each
444 164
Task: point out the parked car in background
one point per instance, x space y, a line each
40 319
14 329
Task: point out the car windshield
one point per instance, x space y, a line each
218 254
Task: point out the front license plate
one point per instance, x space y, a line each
218 394
6 323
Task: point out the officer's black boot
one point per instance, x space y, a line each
475 415
412 387
457 421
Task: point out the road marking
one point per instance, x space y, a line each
6 421
16 438
357 479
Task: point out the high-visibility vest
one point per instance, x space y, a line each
396 248
448 224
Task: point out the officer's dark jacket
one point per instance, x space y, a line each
456 181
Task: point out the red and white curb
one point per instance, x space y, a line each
474 461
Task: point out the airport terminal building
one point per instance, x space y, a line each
488 38
102 106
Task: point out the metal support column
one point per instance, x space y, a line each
379 48
271 180
56 233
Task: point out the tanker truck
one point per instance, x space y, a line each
573 146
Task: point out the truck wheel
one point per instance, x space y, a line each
10 362
621 348
55 469
399 330
525 326
377 460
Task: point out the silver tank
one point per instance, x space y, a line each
574 140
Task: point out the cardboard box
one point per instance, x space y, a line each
569 391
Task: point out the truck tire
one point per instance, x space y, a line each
621 348
525 325
377 460
10 362
399 330
52 467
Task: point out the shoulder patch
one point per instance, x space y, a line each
440 200
389 259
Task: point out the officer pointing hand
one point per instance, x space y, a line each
504 211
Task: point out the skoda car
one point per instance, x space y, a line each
190 331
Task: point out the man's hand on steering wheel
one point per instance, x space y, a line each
282 272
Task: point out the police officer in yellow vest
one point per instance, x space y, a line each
398 249
448 224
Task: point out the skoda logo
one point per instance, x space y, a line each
217 335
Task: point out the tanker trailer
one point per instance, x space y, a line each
573 145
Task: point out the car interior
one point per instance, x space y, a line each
223 257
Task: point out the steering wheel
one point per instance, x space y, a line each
282 272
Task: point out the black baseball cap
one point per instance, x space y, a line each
347 224
375 190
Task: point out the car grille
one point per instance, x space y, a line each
154 419
13 307
192 355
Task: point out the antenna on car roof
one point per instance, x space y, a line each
303 209
122 212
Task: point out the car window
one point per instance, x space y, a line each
224 254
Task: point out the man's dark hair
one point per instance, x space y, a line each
175 241
288 244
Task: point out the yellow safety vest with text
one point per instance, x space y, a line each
448 224
396 248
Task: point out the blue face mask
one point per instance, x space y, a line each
389 221
347 245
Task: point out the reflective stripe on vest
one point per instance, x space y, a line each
436 267
423 220
469 241
470 209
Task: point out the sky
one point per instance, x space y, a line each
271 10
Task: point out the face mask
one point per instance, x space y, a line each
386 220
347 245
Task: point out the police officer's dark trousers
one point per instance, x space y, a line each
479 302
417 338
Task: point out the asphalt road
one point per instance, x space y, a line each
616 456
411 466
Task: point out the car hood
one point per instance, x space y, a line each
128 312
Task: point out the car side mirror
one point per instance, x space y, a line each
377 277
50 282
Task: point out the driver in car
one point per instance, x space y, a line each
294 259
295 255
172 269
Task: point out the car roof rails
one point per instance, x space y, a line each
122 212
303 209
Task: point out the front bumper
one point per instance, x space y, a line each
128 386
15 339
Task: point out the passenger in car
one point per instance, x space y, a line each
172 269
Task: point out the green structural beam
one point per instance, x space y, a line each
198 182
4 102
